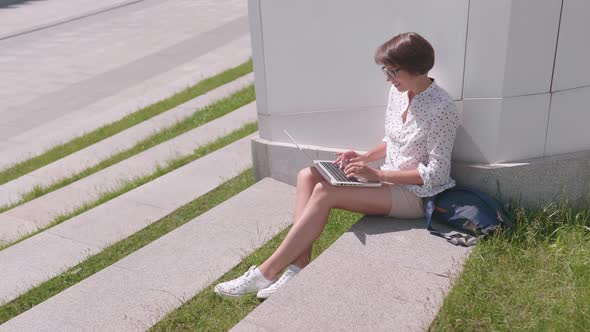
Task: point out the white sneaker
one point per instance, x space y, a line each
289 273
251 282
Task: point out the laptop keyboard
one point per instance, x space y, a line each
337 172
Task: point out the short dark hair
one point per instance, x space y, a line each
408 51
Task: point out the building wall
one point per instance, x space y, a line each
516 70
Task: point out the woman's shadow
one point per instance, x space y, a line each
374 225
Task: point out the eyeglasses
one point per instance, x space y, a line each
389 72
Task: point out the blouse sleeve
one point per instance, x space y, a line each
439 142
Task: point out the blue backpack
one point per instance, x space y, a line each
468 210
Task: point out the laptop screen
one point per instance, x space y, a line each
297 145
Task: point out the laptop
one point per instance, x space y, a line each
334 174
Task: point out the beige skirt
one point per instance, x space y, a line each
404 203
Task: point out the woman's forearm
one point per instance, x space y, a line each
400 177
392 176
376 153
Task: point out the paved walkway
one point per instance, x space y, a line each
57 72
55 131
18 17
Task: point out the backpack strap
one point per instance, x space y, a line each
456 238
430 205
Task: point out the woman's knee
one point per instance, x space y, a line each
308 174
321 190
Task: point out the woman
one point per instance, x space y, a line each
420 128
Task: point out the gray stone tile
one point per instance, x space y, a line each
112 178
82 304
107 110
116 219
109 222
246 325
136 292
50 325
44 209
13 228
33 16
217 238
116 68
6 144
260 158
415 248
12 191
346 295
79 94
196 178
28 263
8 130
383 274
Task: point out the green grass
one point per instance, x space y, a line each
129 185
209 312
205 311
537 279
125 247
130 120
207 114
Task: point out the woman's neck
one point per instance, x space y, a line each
421 85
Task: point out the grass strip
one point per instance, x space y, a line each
209 312
538 279
206 114
127 246
78 143
159 171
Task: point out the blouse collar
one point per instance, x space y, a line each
430 87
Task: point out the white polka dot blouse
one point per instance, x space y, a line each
425 140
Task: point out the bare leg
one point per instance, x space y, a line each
306 181
376 201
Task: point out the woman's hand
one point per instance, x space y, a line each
347 157
361 170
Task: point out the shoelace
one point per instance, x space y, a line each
284 277
239 283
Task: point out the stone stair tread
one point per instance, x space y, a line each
383 274
140 289
92 155
42 211
116 219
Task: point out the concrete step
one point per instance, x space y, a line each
113 50
57 121
94 154
139 290
32 16
45 255
40 212
383 274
